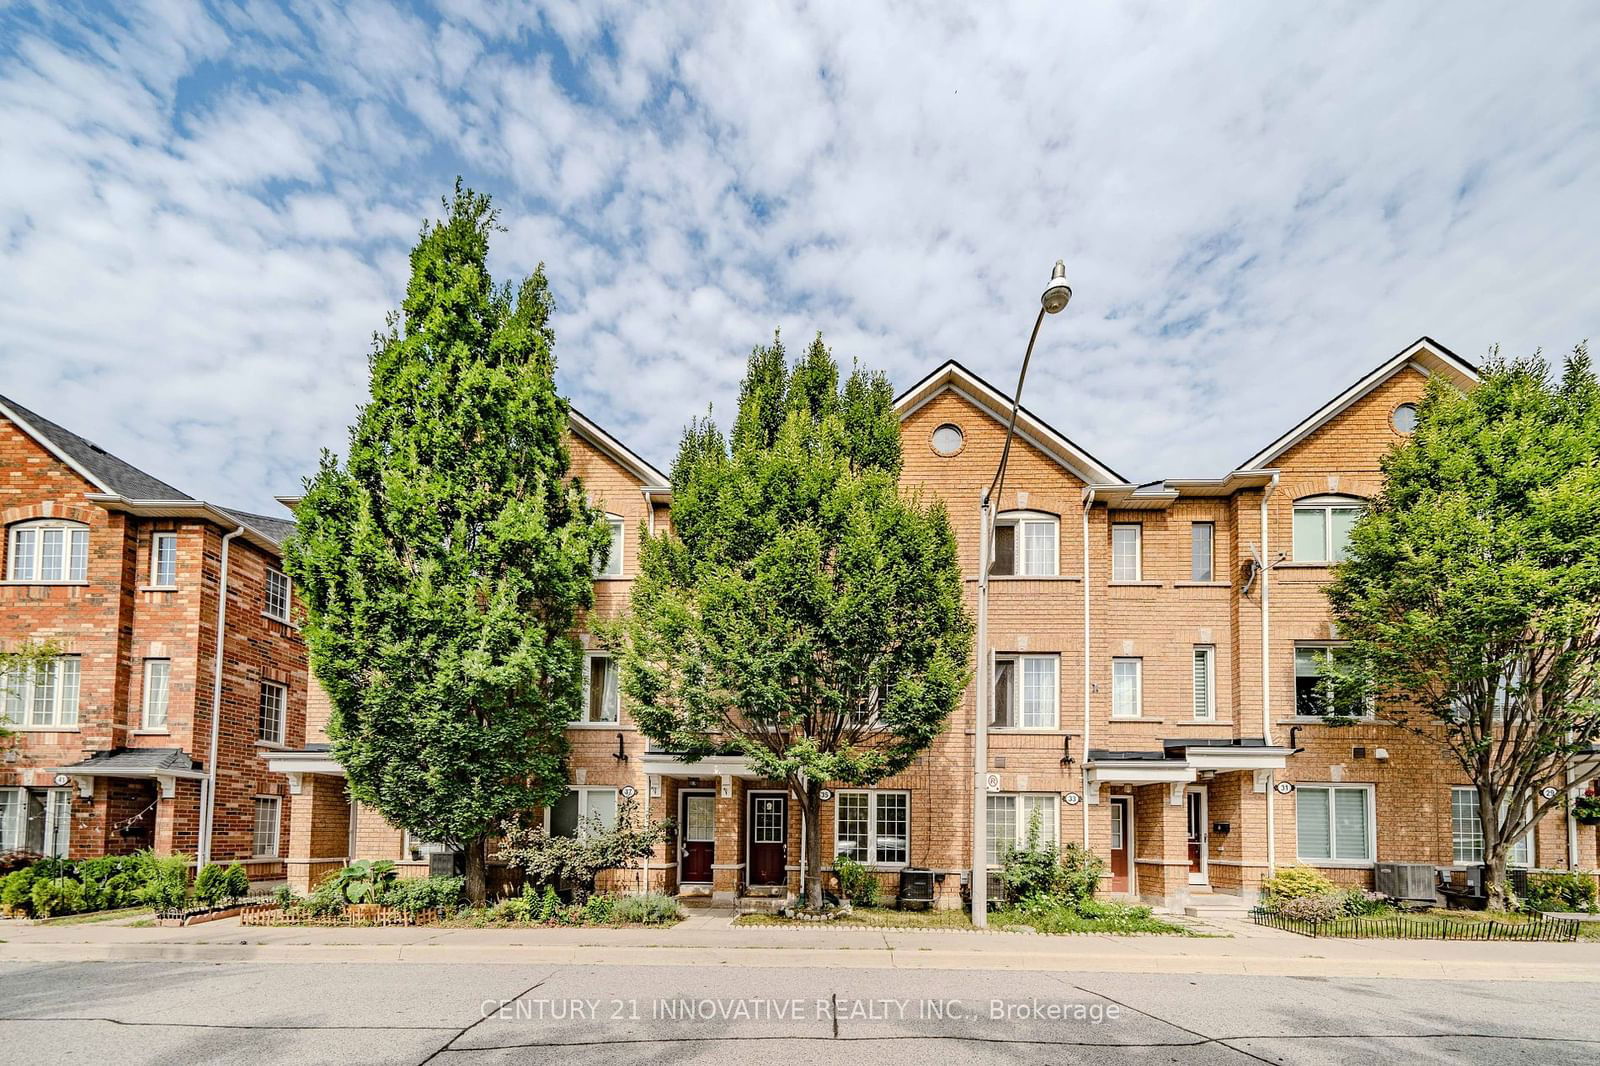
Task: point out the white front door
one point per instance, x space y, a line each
1194 800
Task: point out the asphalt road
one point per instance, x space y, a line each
459 1014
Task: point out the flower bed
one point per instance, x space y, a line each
354 916
1422 927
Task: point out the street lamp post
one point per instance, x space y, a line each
1055 298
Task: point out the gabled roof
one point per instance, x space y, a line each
90 461
1036 431
1425 354
649 477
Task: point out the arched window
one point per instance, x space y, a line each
47 550
1322 527
1025 544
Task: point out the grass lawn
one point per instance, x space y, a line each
1113 921
1417 924
873 917
96 916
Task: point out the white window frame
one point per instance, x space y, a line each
74 557
872 846
275 804
1208 654
583 792
1327 650
1024 523
1138 687
1211 551
1020 819
21 708
1330 787
1018 694
11 822
619 543
156 540
153 718
57 821
1119 572
1324 505
1475 857
282 712
277 579
588 673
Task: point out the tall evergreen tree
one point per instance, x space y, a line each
445 564
1470 594
802 611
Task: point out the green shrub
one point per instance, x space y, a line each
163 879
211 885
238 882
599 910
1323 908
56 896
650 909
16 893
1294 882
56 868
284 897
1070 875
1553 891
857 883
366 881
427 893
1053 914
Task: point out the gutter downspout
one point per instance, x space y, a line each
1266 674
1088 504
208 796
1572 821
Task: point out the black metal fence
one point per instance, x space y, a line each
1407 927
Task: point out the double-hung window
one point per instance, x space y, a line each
1205 683
1025 692
1127 687
45 697
1315 694
613 564
1010 817
264 832
1334 823
164 560
157 675
1025 545
581 810
274 707
602 702
1466 832
1202 537
1126 552
277 605
36 819
873 826
48 550
1322 527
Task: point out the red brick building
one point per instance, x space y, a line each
118 744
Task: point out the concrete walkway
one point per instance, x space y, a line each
712 940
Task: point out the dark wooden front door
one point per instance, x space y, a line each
769 838
698 849
1120 844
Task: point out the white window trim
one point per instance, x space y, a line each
36 526
1210 653
11 835
1138 688
1138 552
1327 504
1021 836
619 549
1529 838
155 555
283 713
288 596
1211 555
588 664
1019 673
277 827
1020 521
583 792
1328 647
145 724
1372 826
872 795
26 690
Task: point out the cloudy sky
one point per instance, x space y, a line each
205 209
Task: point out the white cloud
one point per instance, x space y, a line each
207 211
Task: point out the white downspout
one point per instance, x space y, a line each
1088 504
208 796
1266 674
1572 821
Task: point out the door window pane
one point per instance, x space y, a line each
699 817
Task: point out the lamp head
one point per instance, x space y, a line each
1058 292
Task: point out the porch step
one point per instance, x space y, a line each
1218 904
763 904
766 890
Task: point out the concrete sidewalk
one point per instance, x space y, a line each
709 940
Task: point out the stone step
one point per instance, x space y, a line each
762 904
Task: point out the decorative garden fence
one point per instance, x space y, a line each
356 915
1405 927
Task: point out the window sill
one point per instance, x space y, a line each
47 584
1026 731
1195 723
281 621
1034 577
41 728
265 858
1135 584
272 745
600 725
612 577
1202 584
152 732
1138 718
158 588
1337 864
1298 565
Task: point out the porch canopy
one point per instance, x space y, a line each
1181 761
311 759
165 766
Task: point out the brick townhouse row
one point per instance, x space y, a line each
1154 652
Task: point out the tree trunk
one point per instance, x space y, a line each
811 815
1497 888
477 871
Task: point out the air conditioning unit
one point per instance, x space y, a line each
916 886
1404 880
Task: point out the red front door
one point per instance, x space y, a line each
698 849
769 838
1119 845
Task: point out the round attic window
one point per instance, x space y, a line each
948 439
1404 418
